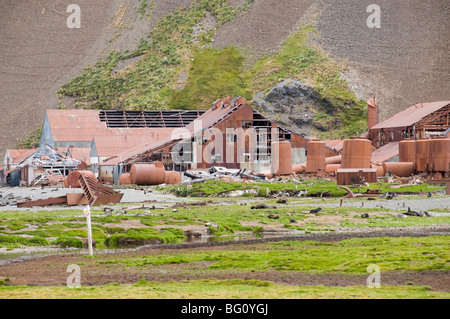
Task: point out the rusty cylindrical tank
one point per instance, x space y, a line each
281 158
380 169
356 153
400 169
333 159
422 155
299 168
73 178
332 168
125 179
439 155
147 174
172 177
407 151
315 156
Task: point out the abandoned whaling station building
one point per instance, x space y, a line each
116 139
233 135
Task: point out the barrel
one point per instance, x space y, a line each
125 179
73 178
147 174
281 158
315 156
172 177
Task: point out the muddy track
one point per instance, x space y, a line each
51 270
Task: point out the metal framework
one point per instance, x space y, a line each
148 119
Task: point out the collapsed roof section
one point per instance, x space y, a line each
148 119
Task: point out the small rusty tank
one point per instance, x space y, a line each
281 157
172 177
147 174
125 179
315 156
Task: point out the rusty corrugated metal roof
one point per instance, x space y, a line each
83 125
411 115
108 146
385 153
337 145
18 155
205 121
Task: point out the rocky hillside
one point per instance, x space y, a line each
303 62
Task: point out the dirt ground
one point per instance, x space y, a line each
52 270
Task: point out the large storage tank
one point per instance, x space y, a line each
281 158
407 151
315 156
439 154
147 174
73 178
356 153
422 155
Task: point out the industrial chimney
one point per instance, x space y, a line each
372 112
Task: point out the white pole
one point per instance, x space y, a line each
87 213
